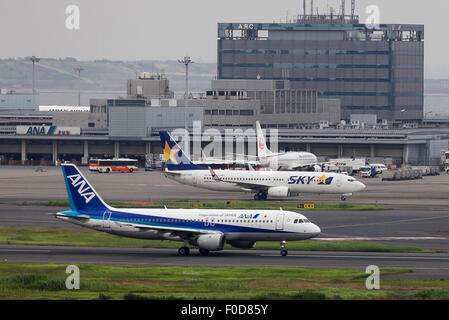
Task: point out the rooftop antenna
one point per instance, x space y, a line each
34 60
343 9
304 8
352 9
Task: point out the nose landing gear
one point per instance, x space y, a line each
284 252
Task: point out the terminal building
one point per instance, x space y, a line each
325 83
128 127
371 69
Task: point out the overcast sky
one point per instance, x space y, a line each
170 29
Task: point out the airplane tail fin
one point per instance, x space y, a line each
175 158
82 195
262 149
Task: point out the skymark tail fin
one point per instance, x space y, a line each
175 158
262 149
82 195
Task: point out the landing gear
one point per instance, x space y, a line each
343 198
284 251
260 196
184 251
204 252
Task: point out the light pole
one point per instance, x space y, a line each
79 69
34 60
186 61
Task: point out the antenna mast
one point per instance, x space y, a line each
304 8
352 10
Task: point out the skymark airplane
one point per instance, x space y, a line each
287 161
209 230
276 184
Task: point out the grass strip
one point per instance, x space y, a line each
261 205
47 281
69 237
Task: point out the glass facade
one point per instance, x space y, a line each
380 75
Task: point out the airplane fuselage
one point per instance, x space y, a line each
296 181
162 224
289 160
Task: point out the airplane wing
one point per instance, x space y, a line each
172 173
81 217
246 186
170 232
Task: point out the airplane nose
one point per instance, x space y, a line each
361 186
315 230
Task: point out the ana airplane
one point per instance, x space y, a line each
276 184
209 230
287 161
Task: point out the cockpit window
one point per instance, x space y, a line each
351 180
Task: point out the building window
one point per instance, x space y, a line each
246 112
91 124
236 112
221 112
208 112
229 112
214 112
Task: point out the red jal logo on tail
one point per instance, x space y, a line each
261 143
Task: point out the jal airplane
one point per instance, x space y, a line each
276 184
209 230
287 161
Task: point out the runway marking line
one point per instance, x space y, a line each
388 222
361 257
380 238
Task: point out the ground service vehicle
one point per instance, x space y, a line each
113 165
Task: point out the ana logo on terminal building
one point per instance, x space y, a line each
41 130
323 180
83 187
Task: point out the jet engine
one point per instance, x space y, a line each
279 192
211 242
243 244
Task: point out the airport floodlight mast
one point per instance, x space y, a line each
79 69
186 61
34 60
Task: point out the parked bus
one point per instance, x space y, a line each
110 165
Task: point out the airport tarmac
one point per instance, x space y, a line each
27 184
424 266
418 217
427 230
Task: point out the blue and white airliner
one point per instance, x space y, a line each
207 229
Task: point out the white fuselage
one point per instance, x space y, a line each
296 181
164 224
289 160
